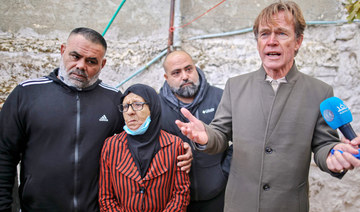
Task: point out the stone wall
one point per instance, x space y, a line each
31 33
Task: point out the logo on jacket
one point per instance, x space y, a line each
210 110
103 118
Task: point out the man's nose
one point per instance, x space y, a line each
184 75
81 64
273 39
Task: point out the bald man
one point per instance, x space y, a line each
186 86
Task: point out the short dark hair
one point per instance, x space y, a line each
90 35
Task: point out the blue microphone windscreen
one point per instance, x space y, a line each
335 112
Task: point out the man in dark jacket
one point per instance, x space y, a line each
56 126
186 86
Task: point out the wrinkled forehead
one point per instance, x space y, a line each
85 47
133 96
272 19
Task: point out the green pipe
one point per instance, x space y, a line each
112 19
144 67
328 22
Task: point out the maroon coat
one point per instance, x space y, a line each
164 188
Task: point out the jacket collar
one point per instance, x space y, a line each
53 76
291 77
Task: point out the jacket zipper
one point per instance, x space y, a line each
76 152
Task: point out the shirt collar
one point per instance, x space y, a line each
281 80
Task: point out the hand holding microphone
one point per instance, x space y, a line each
338 115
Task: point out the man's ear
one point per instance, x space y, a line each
62 49
165 76
299 42
103 63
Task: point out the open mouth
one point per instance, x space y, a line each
272 54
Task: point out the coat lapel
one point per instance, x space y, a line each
274 104
126 164
158 166
160 163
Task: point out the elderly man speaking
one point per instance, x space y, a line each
272 116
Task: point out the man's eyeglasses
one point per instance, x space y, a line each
136 106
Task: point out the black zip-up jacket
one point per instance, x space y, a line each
208 173
57 133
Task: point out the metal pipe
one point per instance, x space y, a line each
177 22
222 34
144 67
112 19
171 28
328 22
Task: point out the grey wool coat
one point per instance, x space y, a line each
273 137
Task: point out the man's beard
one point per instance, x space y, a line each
186 91
75 82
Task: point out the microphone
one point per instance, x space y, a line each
338 115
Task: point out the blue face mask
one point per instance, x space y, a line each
141 130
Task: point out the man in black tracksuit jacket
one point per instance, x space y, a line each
56 126
59 132
186 86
